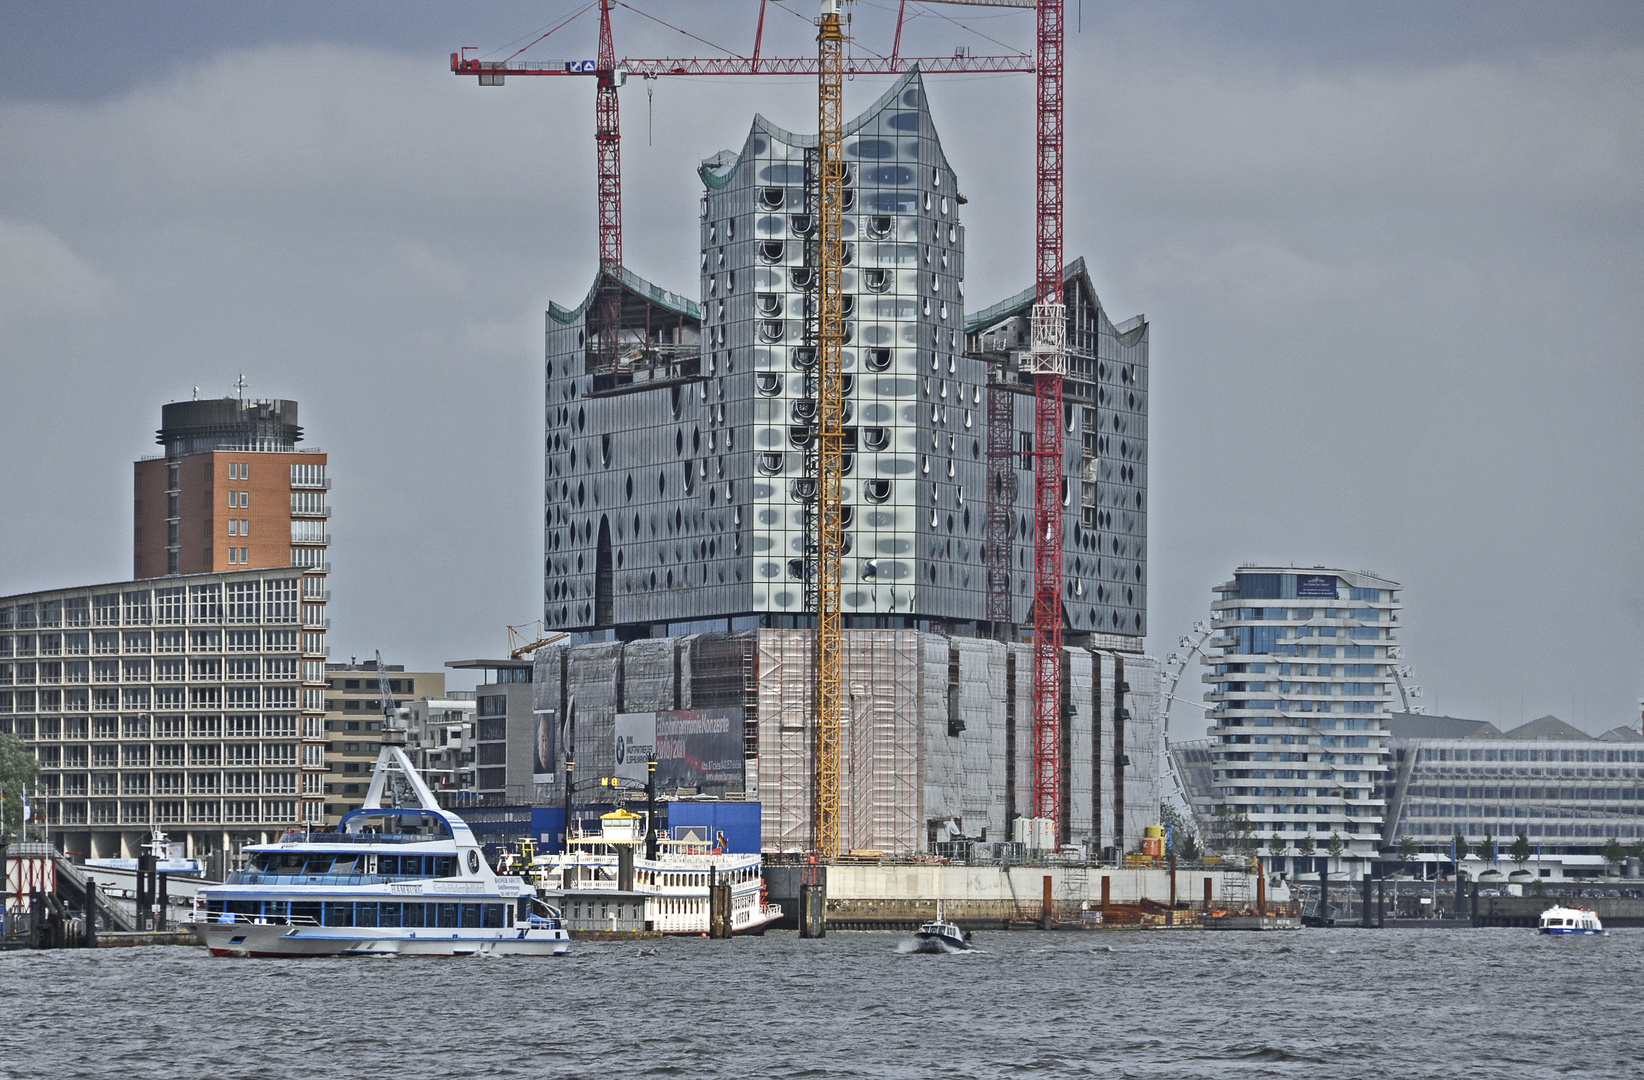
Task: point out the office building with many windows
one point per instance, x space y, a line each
1564 790
353 725
679 439
1300 680
680 472
190 699
191 705
505 731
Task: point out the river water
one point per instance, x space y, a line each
1312 1003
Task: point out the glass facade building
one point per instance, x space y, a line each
679 483
1300 680
192 705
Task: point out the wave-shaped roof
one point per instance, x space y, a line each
718 170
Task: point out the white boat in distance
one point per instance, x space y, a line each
1563 920
403 880
169 858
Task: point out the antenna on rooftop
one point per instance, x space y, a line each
240 384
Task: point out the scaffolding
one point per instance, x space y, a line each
882 673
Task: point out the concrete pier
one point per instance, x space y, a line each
901 895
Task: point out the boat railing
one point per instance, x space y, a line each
313 837
259 877
228 918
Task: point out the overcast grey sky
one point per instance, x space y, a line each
1391 253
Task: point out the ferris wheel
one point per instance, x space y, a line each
1176 663
1192 646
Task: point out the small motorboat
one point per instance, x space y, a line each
1563 920
940 935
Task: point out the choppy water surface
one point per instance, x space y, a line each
1337 1003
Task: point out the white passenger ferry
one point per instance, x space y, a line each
401 880
673 887
1563 920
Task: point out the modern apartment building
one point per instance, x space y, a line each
353 725
1300 680
678 491
190 704
231 491
441 741
1566 791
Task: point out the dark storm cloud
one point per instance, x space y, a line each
1391 257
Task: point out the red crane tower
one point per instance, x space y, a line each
1049 365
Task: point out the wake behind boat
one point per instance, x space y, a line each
940 935
406 879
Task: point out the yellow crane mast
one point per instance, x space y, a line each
830 394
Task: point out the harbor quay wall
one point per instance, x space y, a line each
900 892
1613 911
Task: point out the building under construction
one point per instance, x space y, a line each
681 483
937 741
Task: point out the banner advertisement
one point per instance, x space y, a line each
701 750
1321 586
544 761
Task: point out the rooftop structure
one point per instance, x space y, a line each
232 490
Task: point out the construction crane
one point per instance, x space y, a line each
610 73
518 646
1047 366
830 421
